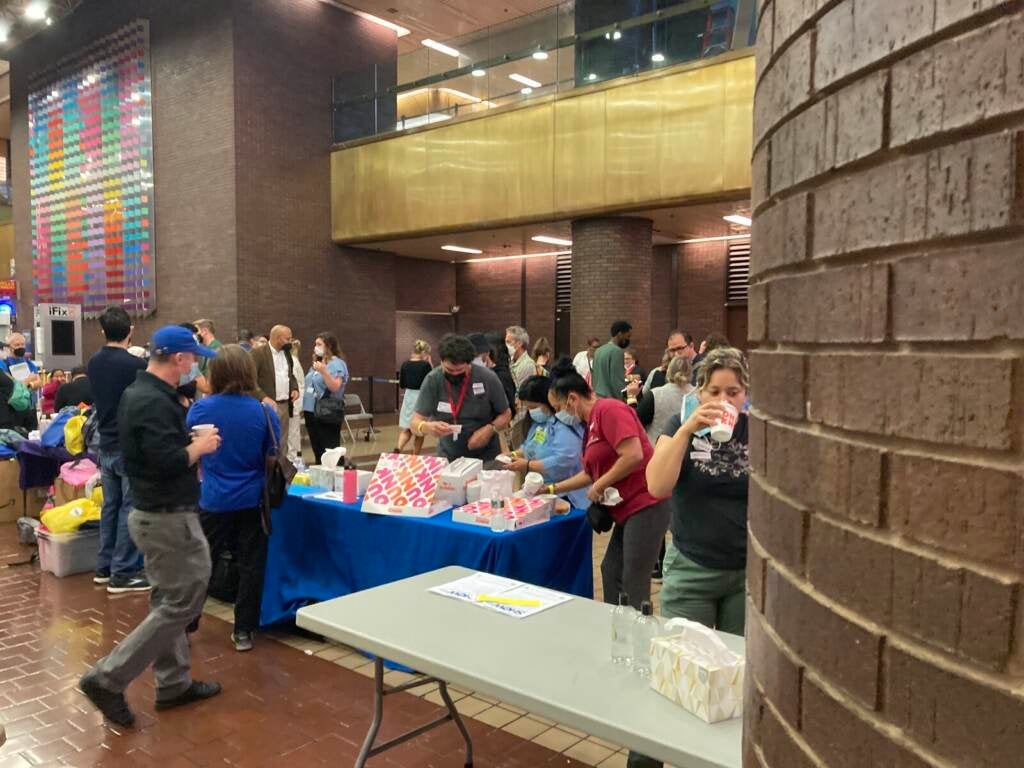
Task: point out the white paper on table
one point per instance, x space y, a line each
331 496
20 371
469 588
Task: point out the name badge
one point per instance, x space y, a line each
700 455
444 407
311 391
478 388
540 436
700 444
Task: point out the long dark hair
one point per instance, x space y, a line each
331 342
499 352
565 379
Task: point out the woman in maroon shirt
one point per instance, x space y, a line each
615 455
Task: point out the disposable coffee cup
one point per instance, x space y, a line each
611 497
201 429
721 431
503 458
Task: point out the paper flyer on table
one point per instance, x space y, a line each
469 588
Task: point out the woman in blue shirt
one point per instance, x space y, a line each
327 378
232 478
552 447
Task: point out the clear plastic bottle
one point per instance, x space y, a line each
623 618
644 629
497 515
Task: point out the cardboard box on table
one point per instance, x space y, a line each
14 502
451 485
519 513
695 669
405 485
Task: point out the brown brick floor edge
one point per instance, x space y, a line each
280 707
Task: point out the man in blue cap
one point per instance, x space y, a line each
160 459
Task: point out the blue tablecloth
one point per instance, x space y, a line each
321 549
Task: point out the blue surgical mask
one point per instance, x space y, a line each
192 375
567 418
539 415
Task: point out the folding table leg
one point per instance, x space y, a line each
443 688
378 712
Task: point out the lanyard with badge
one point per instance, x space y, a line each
456 408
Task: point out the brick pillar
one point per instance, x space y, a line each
886 508
611 280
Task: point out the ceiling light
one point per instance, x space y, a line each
540 55
524 80
441 47
460 249
479 72
526 91
616 35
713 239
551 240
520 256
591 77
4 32
657 58
35 11
399 30
735 218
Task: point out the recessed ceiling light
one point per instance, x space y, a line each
460 249
551 240
35 11
616 35
49 21
591 77
657 58
540 55
479 72
524 80
4 32
441 47
735 218
398 29
526 91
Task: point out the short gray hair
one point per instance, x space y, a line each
519 333
679 371
723 358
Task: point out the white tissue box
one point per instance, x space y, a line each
362 480
496 483
451 485
321 477
709 685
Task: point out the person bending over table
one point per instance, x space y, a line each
615 455
553 445
461 394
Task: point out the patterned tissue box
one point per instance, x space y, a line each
519 513
696 671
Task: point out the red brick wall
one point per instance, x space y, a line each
663 319
424 286
611 280
540 298
886 515
489 295
702 270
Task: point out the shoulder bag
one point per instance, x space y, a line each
329 409
279 474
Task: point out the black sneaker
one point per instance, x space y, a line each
112 705
242 641
102 576
119 584
195 692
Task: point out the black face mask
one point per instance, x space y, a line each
19 352
455 379
286 347
623 343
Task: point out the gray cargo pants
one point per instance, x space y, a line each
178 568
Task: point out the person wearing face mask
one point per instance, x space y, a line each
608 373
705 565
327 377
463 398
161 460
111 370
517 341
16 343
275 375
553 444
49 392
615 455
207 334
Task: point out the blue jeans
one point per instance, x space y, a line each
117 550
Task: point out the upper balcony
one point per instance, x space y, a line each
568 112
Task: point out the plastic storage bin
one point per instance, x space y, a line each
64 554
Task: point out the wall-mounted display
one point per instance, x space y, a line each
91 177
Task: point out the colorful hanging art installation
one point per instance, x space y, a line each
91 177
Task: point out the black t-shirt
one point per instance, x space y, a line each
709 503
73 393
111 371
412 373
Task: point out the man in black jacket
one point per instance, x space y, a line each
160 459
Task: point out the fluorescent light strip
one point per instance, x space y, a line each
524 80
713 239
520 256
735 218
551 240
398 29
441 48
460 249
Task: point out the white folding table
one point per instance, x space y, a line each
556 664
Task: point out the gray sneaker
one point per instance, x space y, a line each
242 641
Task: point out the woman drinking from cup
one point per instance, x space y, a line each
615 456
553 446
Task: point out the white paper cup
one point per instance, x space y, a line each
201 429
611 497
722 430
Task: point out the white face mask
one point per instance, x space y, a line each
511 350
318 351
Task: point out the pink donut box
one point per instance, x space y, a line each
519 513
405 485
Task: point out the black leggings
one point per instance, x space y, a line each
241 533
321 435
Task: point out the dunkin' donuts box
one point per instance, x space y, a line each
519 513
451 485
405 485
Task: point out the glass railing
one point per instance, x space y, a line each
569 45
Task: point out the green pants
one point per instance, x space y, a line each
714 598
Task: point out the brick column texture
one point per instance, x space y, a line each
611 280
885 621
